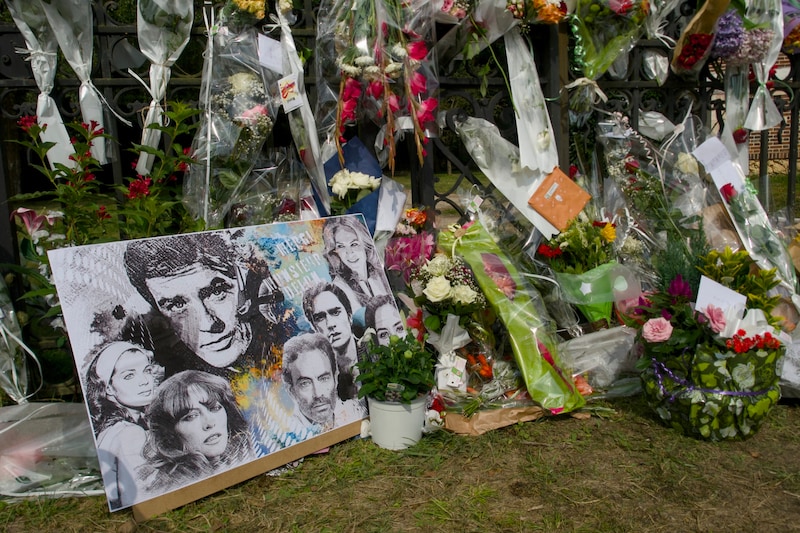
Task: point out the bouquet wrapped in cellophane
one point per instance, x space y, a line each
237 99
604 30
374 65
520 309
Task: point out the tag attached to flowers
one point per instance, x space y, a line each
290 94
270 54
559 199
452 370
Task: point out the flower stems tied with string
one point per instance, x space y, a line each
163 30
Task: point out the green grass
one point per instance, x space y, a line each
624 472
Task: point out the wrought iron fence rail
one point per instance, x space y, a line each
460 93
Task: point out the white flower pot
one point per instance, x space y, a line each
396 426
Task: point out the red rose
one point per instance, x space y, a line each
728 192
740 136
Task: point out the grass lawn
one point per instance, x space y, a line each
619 472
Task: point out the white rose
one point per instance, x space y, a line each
439 265
462 294
359 180
340 183
438 289
687 164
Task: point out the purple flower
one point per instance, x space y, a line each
730 35
754 48
679 288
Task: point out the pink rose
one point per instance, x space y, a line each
251 115
657 330
716 318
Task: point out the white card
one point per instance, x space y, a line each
711 292
270 54
712 153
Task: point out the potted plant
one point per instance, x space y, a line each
396 379
706 373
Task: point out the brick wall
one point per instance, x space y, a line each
777 150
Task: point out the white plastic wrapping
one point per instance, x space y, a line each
499 160
763 112
301 120
534 130
163 28
42 46
71 21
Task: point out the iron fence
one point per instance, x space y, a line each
473 88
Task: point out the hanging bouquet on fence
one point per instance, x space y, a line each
374 57
604 30
41 47
238 110
163 30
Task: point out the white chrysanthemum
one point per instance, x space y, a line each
348 68
393 70
373 72
399 50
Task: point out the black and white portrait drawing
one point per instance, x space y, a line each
201 352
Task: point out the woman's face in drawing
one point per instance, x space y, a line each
133 382
351 251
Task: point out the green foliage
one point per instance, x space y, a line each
405 362
152 204
681 258
738 271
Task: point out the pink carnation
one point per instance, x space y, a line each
657 330
716 318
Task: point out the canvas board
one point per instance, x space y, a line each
200 365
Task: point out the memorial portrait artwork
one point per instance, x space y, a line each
199 353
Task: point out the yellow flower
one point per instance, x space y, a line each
609 232
255 7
